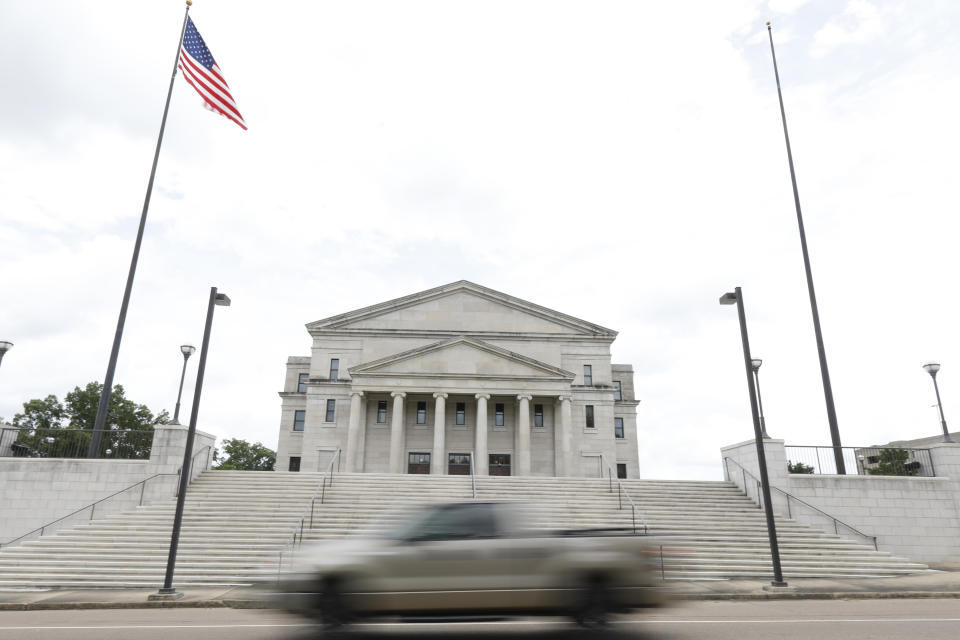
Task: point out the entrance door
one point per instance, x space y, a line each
458 464
418 463
499 464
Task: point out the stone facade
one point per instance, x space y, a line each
401 386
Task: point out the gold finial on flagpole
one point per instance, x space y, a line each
768 22
190 4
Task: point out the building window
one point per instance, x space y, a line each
461 413
334 368
618 427
538 415
381 411
617 391
331 410
299 417
590 416
498 415
294 463
588 375
622 470
302 382
422 412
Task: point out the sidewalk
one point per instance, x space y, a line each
933 585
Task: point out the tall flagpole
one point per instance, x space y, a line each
101 421
824 372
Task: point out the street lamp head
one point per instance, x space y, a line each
755 363
5 346
187 350
222 300
932 368
728 298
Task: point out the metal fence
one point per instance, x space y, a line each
74 443
862 461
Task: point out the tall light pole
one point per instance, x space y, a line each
932 368
187 351
167 591
755 364
4 347
736 297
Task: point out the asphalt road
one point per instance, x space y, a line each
918 619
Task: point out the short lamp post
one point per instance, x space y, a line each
736 297
187 351
755 364
167 592
932 368
4 347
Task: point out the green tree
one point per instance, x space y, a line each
798 467
893 462
240 455
74 418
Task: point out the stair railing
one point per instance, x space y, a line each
473 477
621 494
789 496
93 505
296 538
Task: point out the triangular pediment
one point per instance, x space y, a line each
462 308
461 357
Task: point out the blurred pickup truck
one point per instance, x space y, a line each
472 559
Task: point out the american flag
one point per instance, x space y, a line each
202 72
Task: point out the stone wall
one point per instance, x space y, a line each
918 518
37 491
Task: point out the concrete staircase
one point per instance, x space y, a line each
236 523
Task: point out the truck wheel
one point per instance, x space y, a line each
331 604
593 611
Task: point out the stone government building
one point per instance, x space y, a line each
402 386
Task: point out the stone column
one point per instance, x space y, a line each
481 464
564 438
523 435
396 433
438 461
354 459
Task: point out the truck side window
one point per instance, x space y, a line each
458 522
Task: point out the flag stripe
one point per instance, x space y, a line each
215 89
212 105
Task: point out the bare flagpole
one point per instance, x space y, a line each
101 420
824 372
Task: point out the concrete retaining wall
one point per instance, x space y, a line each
36 491
918 518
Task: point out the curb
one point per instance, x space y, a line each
262 604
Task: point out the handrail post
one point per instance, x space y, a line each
619 498
311 512
143 487
93 507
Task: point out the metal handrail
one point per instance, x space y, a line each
790 496
621 491
92 506
193 465
473 477
296 537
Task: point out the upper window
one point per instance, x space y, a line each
302 382
618 427
381 411
588 375
299 417
617 390
331 410
538 415
294 463
421 412
334 368
590 424
461 413
498 414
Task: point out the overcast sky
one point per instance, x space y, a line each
622 162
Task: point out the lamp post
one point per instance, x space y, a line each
932 368
736 297
187 351
4 347
755 364
167 591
